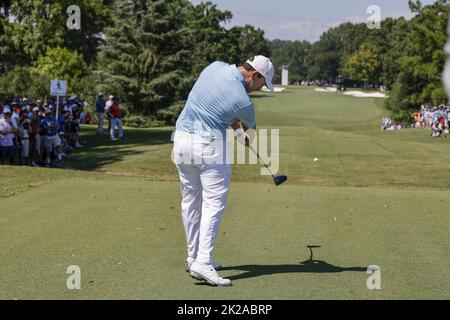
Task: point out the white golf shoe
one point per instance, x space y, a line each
208 273
189 261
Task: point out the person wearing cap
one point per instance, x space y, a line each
218 100
52 143
7 134
114 114
100 105
15 111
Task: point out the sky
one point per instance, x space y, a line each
306 19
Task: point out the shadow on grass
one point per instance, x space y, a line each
262 95
98 151
308 266
268 94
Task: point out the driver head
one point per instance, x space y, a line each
279 180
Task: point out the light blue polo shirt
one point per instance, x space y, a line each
217 99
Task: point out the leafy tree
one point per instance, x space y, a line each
62 63
35 25
210 40
419 80
292 53
327 56
396 33
251 42
364 65
324 57
146 60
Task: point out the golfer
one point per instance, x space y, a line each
218 100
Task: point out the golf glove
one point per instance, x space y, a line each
240 135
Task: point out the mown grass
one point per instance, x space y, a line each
374 198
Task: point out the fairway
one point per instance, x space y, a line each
374 198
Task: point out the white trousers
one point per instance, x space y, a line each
114 122
100 118
204 190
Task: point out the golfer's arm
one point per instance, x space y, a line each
236 125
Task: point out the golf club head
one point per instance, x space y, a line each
279 180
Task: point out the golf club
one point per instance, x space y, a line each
277 179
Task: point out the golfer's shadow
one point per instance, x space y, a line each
310 266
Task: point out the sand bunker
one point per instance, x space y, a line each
360 94
326 89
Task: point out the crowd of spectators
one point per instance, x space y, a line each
40 133
435 118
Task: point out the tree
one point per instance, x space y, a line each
323 59
292 53
34 25
251 42
146 60
210 40
396 32
364 65
327 56
62 63
420 67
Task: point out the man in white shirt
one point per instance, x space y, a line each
7 133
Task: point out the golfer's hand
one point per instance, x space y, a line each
241 136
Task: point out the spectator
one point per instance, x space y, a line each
24 134
114 114
100 105
7 134
88 118
52 141
108 105
75 125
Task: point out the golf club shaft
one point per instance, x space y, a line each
251 148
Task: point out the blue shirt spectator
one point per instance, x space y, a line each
100 105
49 126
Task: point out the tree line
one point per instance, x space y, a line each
149 52
406 56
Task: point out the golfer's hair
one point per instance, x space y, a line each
246 65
